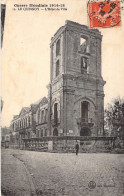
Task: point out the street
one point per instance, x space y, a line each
30 173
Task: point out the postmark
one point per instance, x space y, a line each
104 13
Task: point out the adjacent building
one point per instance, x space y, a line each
5 135
23 125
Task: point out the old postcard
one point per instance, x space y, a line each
62 100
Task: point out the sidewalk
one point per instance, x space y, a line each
15 179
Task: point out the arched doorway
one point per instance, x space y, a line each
85 131
55 132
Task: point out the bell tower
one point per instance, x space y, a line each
76 97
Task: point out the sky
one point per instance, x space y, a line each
26 53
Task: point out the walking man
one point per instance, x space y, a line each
77 148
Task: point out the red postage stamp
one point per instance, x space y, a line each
104 13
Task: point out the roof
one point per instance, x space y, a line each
44 101
41 101
27 109
15 116
33 107
37 102
24 110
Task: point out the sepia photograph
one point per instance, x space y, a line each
62 98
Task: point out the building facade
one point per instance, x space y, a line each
76 96
24 125
31 122
75 102
42 118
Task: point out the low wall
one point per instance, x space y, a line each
67 144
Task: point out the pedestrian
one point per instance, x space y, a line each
77 148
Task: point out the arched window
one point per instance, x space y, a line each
57 68
55 113
84 111
58 47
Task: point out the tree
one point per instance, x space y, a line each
114 117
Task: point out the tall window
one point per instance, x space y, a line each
55 112
82 41
84 64
29 121
46 115
25 122
55 132
37 133
58 47
22 123
83 45
38 116
84 111
57 68
42 116
45 133
41 132
28 134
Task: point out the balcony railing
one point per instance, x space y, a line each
20 128
85 122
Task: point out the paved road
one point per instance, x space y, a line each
50 174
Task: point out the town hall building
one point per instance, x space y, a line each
75 102
76 97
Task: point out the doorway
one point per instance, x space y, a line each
55 132
85 131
